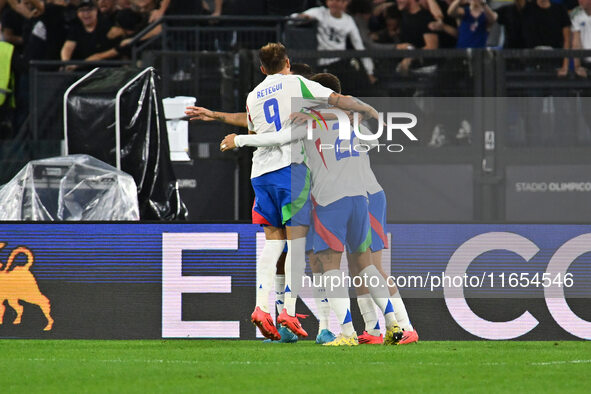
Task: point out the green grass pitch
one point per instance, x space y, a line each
202 366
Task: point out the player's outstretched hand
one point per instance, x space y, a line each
199 113
228 143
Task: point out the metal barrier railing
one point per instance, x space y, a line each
223 33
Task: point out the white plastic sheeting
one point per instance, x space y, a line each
76 187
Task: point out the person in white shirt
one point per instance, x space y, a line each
334 27
277 176
241 120
581 28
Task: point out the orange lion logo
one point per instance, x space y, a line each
20 284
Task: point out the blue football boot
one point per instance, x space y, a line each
286 336
325 336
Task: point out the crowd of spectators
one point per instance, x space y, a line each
100 29
92 30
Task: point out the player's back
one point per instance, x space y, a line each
336 166
371 183
269 106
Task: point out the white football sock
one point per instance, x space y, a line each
338 299
322 307
266 268
279 292
295 266
400 312
370 316
379 293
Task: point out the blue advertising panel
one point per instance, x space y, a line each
152 280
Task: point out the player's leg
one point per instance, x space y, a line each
280 282
286 335
296 216
378 289
409 335
371 335
295 266
358 241
377 211
265 272
266 212
337 291
330 231
319 292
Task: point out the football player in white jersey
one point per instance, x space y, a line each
379 241
377 214
241 119
281 188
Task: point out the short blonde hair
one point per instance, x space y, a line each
273 57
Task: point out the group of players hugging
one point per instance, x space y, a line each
317 197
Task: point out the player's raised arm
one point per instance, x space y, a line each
200 113
350 103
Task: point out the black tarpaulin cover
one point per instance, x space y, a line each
110 108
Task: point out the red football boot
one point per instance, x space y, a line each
265 324
409 337
368 339
292 323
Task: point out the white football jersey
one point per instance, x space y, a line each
268 108
371 183
337 169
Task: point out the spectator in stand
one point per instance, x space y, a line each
107 9
139 10
129 21
544 25
147 7
476 18
367 18
581 28
377 20
391 33
87 40
16 27
414 31
49 32
444 25
510 19
335 26
28 9
414 26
